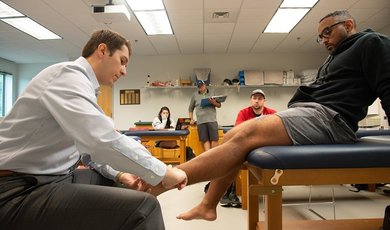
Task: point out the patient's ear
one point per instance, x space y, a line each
350 25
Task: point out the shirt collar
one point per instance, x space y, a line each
90 73
204 93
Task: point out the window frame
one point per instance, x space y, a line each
6 91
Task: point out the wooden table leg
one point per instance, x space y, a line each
182 150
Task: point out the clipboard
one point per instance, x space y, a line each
205 101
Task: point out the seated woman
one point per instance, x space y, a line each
164 121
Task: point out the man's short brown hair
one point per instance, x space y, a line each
113 40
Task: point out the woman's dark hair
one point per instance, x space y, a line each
168 124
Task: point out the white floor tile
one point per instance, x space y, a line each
349 205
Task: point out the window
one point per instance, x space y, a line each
5 93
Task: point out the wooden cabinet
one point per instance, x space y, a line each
193 140
105 99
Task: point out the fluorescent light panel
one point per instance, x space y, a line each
154 22
298 3
288 15
7 11
284 20
16 19
152 16
32 28
136 5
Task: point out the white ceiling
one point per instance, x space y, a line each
195 32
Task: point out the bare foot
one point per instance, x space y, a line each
201 211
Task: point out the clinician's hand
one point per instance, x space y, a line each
174 178
134 182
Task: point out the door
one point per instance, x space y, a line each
105 99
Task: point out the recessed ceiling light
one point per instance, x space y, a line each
298 3
288 15
154 22
145 5
152 16
284 20
7 11
16 19
32 28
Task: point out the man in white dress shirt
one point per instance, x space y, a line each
56 120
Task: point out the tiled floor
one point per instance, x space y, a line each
348 205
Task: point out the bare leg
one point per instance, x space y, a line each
206 209
206 145
219 161
214 144
223 162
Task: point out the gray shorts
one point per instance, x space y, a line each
313 123
208 131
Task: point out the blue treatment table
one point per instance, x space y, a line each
270 168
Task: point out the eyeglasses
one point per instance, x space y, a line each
327 32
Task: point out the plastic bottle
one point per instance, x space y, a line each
385 122
241 77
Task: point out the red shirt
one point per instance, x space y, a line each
247 114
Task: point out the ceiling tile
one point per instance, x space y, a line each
195 32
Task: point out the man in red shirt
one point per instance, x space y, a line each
256 109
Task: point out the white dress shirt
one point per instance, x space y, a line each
57 118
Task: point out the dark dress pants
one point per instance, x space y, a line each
81 200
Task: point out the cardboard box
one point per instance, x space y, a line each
273 77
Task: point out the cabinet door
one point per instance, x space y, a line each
193 140
105 99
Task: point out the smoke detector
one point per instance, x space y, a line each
220 15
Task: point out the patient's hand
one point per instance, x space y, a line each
134 182
174 177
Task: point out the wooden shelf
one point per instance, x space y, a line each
169 87
220 86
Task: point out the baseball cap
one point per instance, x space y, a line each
200 83
256 91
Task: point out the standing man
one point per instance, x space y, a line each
206 116
256 109
53 122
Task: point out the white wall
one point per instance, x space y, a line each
171 67
8 66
